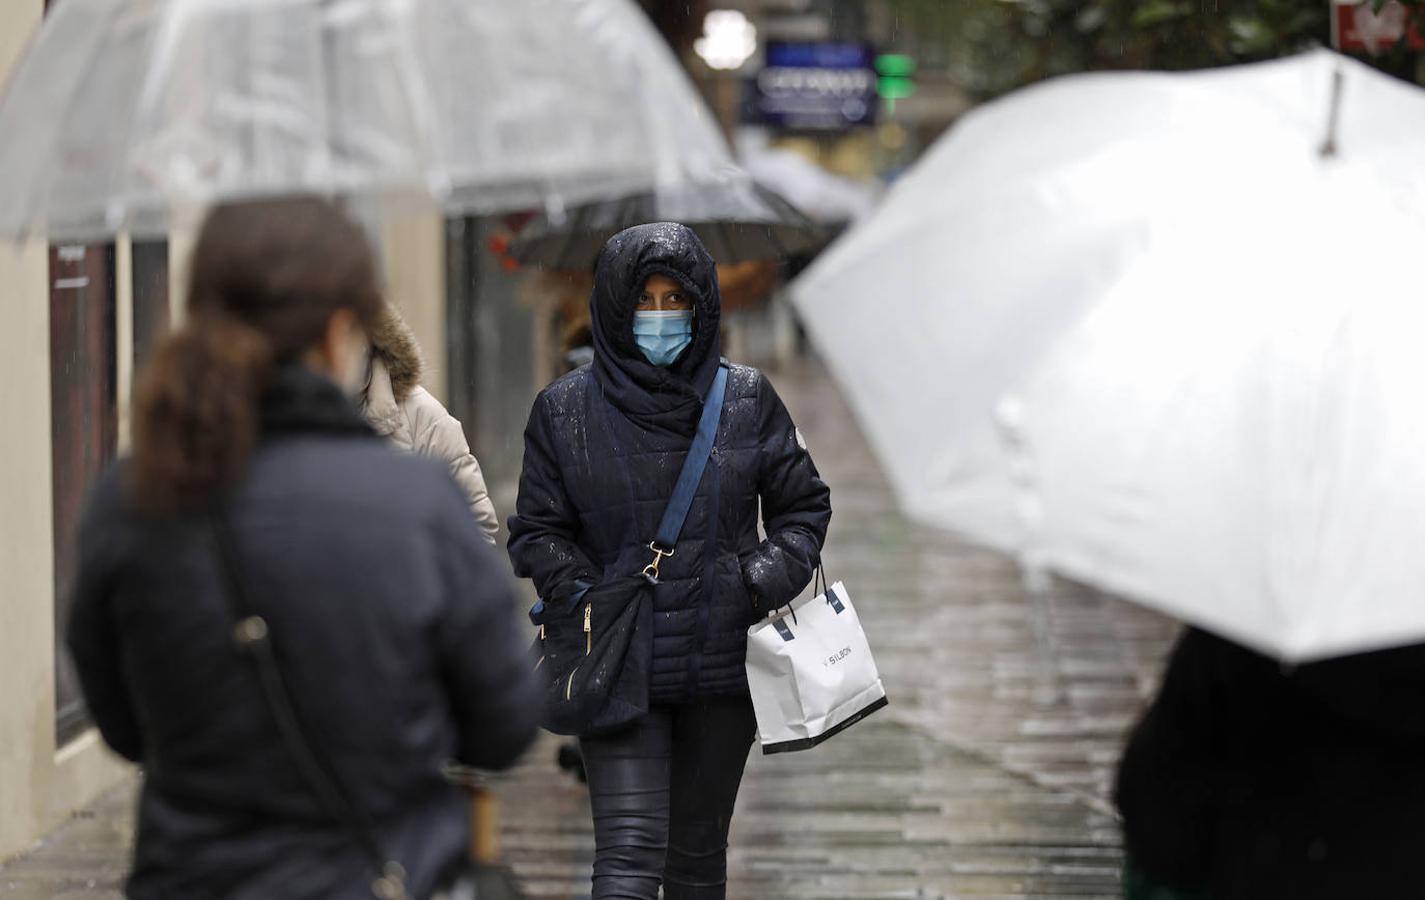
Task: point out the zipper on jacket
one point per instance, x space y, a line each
569 688
588 629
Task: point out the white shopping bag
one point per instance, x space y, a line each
811 672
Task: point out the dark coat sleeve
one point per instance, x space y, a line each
1167 789
544 528
796 508
482 649
92 634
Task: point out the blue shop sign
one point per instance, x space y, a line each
816 86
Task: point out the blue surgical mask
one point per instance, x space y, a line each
663 334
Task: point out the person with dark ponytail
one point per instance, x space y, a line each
387 613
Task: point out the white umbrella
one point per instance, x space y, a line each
826 197
123 110
1136 328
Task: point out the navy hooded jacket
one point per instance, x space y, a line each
603 450
395 628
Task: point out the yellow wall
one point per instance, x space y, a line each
39 783
413 251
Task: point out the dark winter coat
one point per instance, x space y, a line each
1256 780
603 450
393 621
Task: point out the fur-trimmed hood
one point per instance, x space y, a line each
394 344
400 410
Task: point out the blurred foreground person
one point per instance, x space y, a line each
398 408
604 448
1249 779
387 612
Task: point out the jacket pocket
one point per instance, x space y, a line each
746 598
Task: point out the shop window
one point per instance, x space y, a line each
84 422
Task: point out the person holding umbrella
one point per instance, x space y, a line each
603 449
288 624
1248 778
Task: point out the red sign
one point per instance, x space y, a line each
1356 26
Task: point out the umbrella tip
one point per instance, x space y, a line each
1329 147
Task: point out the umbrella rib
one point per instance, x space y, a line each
1329 147
141 104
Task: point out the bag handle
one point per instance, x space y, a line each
819 586
691 475
254 640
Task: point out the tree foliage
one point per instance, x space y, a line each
997 45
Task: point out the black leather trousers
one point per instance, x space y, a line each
663 793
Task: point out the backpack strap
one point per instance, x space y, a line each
253 640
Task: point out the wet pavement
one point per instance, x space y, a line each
988 775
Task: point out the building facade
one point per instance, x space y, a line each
78 321
42 780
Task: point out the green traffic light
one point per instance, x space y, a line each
895 65
894 88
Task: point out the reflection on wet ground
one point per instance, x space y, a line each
989 774
987 777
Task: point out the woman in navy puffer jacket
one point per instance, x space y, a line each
603 449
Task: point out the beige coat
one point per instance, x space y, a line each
398 408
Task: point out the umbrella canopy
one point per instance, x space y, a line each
695 182
124 110
1137 329
827 198
737 219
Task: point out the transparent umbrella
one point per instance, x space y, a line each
736 218
123 113
1160 333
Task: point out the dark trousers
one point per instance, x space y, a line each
663 793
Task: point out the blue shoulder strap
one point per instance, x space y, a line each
677 512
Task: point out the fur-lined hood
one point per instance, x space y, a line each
393 342
400 410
